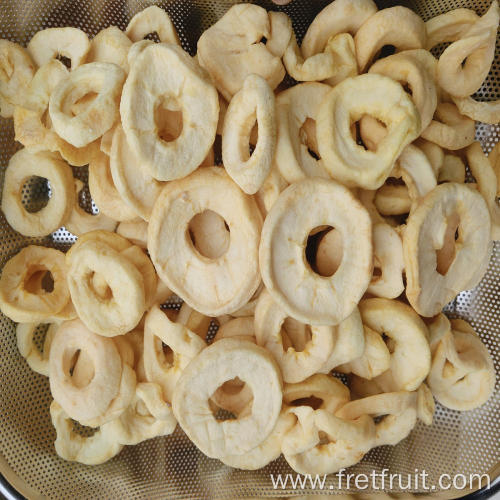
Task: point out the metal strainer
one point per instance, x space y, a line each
171 467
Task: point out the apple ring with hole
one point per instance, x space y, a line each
253 103
121 307
348 342
407 339
80 221
110 45
450 129
187 89
104 79
225 360
464 65
397 26
296 365
374 360
37 361
90 396
334 64
341 16
462 375
319 391
93 450
212 286
164 366
136 231
280 33
321 443
409 68
295 107
452 169
147 417
23 166
104 192
431 281
52 43
234 395
231 49
375 95
20 299
133 182
16 70
267 451
302 293
449 27
484 111
486 180
152 19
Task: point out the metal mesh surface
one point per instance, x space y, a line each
172 467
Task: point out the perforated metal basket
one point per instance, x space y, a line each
172 467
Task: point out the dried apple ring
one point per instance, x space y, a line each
462 375
429 286
104 192
409 68
321 443
294 107
50 43
16 72
231 49
37 361
322 392
399 411
147 417
89 401
253 102
450 129
371 94
494 159
237 358
303 294
153 19
341 16
99 116
93 450
373 361
110 45
397 26
17 301
132 181
485 112
452 169
110 315
267 451
164 367
189 89
80 221
486 180
407 335
464 65
296 365
449 27
24 165
234 276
